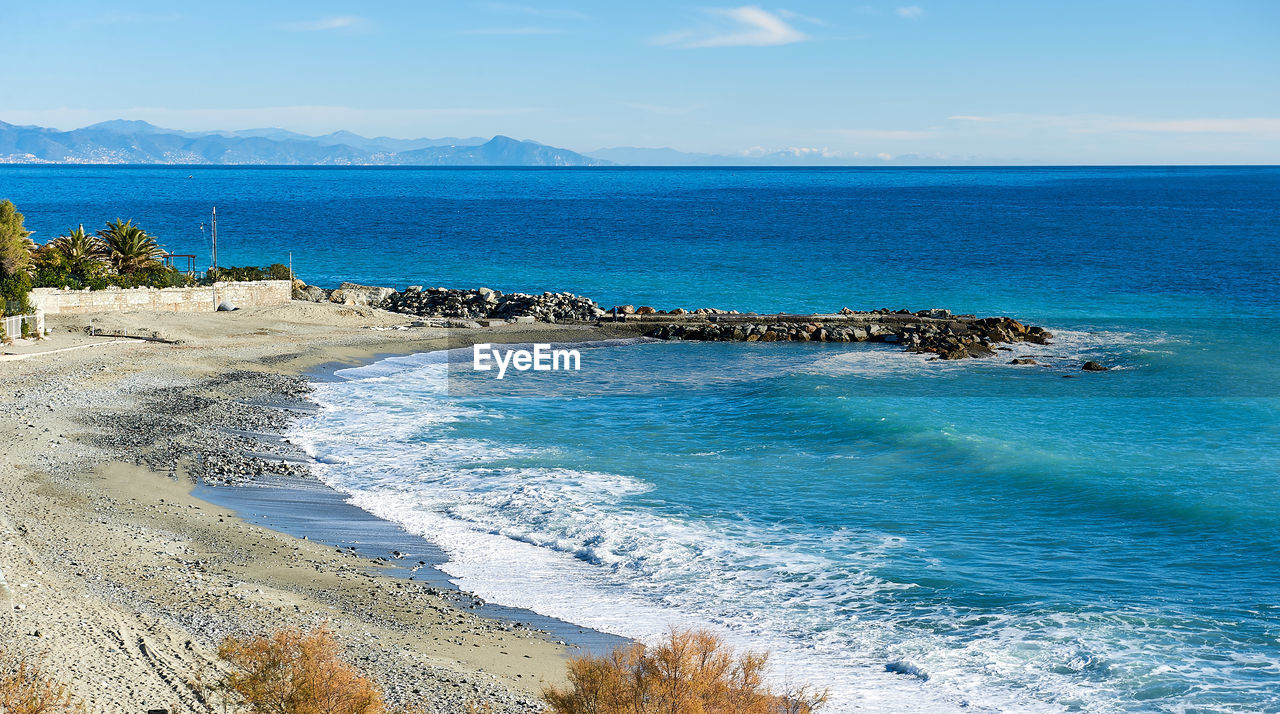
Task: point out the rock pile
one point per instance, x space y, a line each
309 293
935 331
646 310
352 294
953 338
486 303
360 295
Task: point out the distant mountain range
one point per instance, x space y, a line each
137 142
122 141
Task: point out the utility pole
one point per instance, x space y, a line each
215 239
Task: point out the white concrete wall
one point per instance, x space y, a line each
53 301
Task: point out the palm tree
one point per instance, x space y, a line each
77 246
130 247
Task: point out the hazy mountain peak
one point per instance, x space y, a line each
122 141
133 126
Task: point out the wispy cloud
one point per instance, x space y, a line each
137 18
911 12
893 134
514 31
792 15
554 13
341 22
659 109
746 26
1253 125
795 152
1100 124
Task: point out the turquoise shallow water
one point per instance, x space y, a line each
1107 542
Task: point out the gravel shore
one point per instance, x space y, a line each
125 583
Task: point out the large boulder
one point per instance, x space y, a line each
360 295
309 293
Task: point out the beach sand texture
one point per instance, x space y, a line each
125 583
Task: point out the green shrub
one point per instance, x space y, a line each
15 241
232 274
13 294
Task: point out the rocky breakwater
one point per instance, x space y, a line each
936 332
483 303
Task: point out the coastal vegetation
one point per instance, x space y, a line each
689 672
16 247
25 688
129 249
296 672
122 254
292 672
275 271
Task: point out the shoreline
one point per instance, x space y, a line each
311 510
124 580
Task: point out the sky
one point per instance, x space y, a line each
968 81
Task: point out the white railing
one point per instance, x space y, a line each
13 325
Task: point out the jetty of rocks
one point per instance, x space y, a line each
927 331
480 303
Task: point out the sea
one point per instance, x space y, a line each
918 536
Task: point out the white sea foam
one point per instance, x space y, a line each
575 545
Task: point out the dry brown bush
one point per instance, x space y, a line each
292 672
690 672
26 689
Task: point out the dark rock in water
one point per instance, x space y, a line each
1023 360
980 350
905 668
1092 366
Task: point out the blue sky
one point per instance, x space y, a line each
1076 81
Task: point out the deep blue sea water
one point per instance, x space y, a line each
1109 542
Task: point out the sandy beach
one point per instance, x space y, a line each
125 582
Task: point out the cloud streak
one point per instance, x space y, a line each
328 23
526 31
660 109
553 13
893 134
1097 124
910 12
746 26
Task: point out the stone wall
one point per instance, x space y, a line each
52 301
